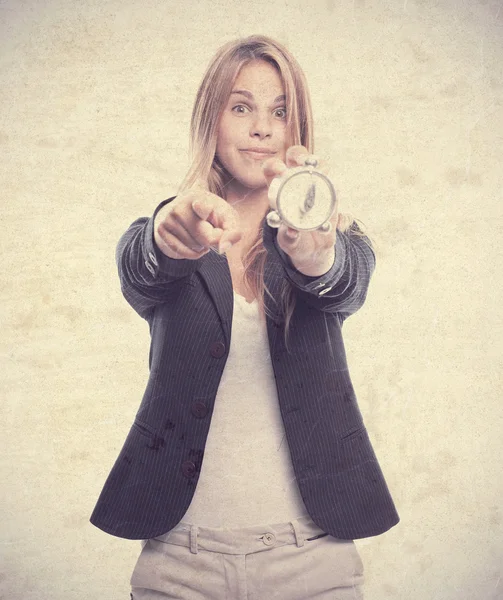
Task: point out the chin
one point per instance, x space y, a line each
251 184
247 181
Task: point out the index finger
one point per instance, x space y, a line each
215 210
210 207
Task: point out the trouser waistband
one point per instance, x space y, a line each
244 540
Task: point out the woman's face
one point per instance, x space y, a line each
253 125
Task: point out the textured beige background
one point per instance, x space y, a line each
95 105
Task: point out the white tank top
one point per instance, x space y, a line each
246 475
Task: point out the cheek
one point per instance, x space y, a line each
220 140
226 138
284 144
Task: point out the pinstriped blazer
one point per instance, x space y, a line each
188 305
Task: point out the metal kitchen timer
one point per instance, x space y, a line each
303 198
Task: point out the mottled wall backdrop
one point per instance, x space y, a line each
96 97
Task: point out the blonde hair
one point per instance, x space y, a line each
211 99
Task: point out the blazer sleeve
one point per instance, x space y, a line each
344 287
147 276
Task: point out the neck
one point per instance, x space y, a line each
251 205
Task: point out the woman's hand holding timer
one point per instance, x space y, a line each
194 222
311 252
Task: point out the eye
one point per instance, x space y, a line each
280 113
240 109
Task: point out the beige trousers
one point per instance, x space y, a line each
273 562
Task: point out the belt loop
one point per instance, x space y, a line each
193 539
299 538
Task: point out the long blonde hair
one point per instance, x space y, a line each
211 98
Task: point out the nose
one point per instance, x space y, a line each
261 127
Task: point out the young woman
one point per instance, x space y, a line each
247 366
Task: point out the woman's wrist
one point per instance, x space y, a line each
318 266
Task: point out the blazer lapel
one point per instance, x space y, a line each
217 277
216 274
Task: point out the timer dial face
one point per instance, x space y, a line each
305 200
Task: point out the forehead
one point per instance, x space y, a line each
259 77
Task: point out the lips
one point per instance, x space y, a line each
259 153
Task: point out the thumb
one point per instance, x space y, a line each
202 207
200 185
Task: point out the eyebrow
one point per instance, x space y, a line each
249 95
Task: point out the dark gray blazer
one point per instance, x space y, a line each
188 305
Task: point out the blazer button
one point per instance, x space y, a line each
188 469
199 410
217 349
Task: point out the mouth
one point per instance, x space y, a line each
258 153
